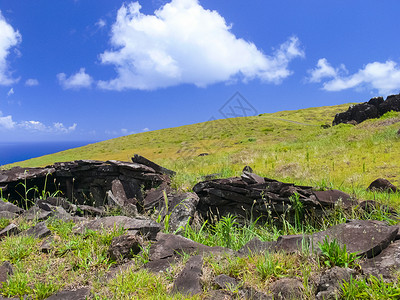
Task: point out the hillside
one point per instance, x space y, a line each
287 145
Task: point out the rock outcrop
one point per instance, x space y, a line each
374 108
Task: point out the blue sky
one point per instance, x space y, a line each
95 69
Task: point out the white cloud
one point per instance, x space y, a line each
101 23
10 92
31 82
324 70
383 77
77 81
6 122
9 38
145 129
183 43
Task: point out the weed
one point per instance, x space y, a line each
335 255
371 288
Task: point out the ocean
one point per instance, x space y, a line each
18 151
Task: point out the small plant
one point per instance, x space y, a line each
268 266
335 255
371 288
298 210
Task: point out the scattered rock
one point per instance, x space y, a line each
36 213
7 215
218 295
147 228
247 169
225 282
255 246
86 210
287 288
9 207
79 294
183 210
9 230
371 205
124 247
330 282
203 154
46 245
38 231
333 197
188 281
170 247
385 264
292 243
6 270
367 238
382 184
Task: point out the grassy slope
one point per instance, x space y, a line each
288 145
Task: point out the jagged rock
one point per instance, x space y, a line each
144 161
147 228
254 197
330 282
382 184
367 238
37 213
124 247
79 294
287 288
332 197
247 169
155 198
9 230
6 270
225 282
251 294
292 243
385 264
256 246
183 210
50 202
46 245
38 231
218 295
188 281
7 215
84 181
169 247
374 108
9 207
87 210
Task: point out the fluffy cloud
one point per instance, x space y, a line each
77 81
31 82
10 92
383 77
9 38
183 43
7 123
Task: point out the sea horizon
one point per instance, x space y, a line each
11 152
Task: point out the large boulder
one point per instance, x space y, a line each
374 108
382 184
364 237
84 181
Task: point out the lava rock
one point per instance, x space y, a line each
125 247
188 281
382 184
287 288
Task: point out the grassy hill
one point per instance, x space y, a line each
287 145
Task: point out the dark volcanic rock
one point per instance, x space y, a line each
79 294
292 243
169 247
367 238
256 246
330 282
288 288
387 263
144 161
84 181
9 230
9 207
332 197
39 231
224 281
124 246
382 184
6 270
147 228
374 108
188 281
